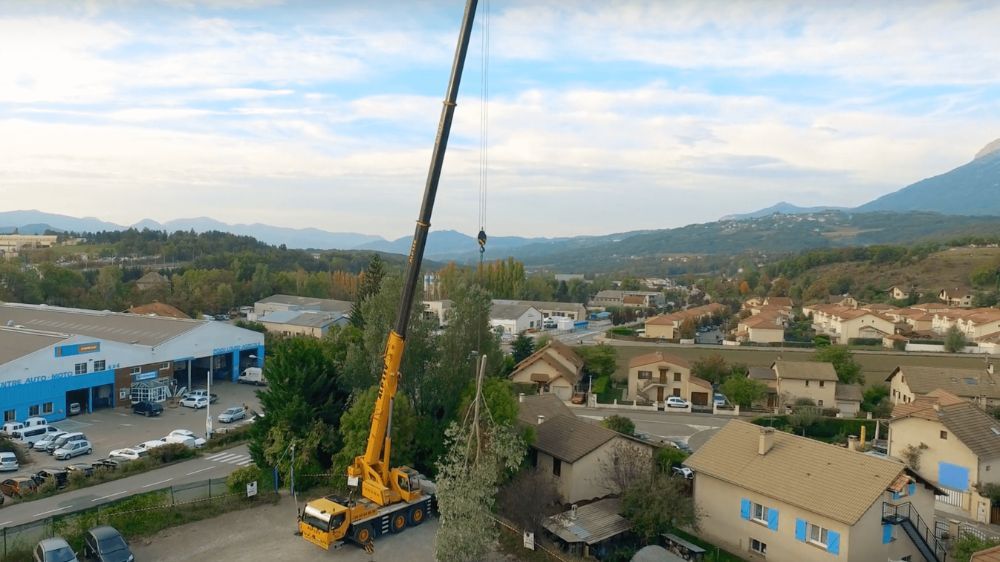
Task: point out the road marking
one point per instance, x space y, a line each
5 523
49 511
224 457
110 496
246 462
216 455
156 483
200 470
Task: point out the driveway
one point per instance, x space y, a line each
266 533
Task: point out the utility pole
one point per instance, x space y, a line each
208 403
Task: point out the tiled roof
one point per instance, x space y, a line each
763 321
804 370
569 438
543 354
988 555
681 315
979 431
966 383
761 373
778 301
530 407
849 392
656 357
796 470
158 309
698 381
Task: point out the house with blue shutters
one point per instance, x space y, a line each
766 494
955 444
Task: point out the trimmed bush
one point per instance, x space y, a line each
238 479
864 341
171 452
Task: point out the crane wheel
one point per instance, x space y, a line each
398 522
416 516
362 535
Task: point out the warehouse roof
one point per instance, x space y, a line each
309 303
16 342
113 326
501 311
305 318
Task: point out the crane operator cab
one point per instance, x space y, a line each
323 522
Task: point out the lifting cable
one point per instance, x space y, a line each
484 115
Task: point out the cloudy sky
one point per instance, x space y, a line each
602 116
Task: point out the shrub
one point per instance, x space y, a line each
238 479
170 452
601 385
77 479
864 341
621 424
622 331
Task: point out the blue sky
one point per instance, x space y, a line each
603 116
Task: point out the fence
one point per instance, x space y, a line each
16 541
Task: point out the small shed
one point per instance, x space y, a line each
589 531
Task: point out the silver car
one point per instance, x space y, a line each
54 550
43 443
73 449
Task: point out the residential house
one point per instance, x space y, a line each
151 280
657 376
906 383
571 310
438 310
766 327
303 322
635 299
275 303
513 319
533 409
957 296
667 326
779 302
590 530
849 398
158 309
843 324
811 380
582 456
555 369
898 293
766 375
766 494
956 445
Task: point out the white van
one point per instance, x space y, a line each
252 375
35 422
29 435
10 427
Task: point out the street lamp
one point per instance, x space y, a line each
208 404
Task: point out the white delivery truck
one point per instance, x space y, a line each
252 375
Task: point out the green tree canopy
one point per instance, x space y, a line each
621 424
712 368
658 505
848 370
371 282
954 340
355 425
598 360
522 347
743 390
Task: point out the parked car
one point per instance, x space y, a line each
199 392
677 402
57 475
679 445
683 472
128 453
43 443
73 449
196 402
108 464
185 434
31 434
81 467
147 408
62 440
10 427
74 408
721 400
18 486
8 462
55 549
106 544
252 375
233 414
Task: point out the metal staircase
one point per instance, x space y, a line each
913 525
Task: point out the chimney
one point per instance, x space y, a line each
541 418
520 397
852 442
572 512
766 440
989 367
937 406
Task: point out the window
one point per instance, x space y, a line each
677 377
944 435
164 366
821 383
807 383
8 415
33 410
818 535
757 546
556 467
81 368
645 375
819 403
47 408
759 513
136 370
99 365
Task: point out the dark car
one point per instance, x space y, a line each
106 544
147 408
83 468
107 465
18 486
58 475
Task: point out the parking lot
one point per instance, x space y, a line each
110 429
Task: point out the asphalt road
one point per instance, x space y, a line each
213 465
693 429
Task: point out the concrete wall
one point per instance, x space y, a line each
665 331
766 335
294 330
916 431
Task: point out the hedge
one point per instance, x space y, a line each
864 341
825 429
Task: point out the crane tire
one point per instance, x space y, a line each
398 522
362 534
417 515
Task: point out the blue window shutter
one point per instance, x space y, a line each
886 533
745 508
895 495
800 530
833 542
911 489
772 519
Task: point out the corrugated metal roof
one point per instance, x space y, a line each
16 343
113 326
796 470
593 523
309 303
500 311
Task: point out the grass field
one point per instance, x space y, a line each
876 366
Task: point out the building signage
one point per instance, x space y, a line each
221 350
44 378
144 376
77 349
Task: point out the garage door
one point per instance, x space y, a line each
699 398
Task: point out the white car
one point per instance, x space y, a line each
683 472
128 453
196 402
181 435
677 402
8 461
148 445
232 414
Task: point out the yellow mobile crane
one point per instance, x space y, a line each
391 498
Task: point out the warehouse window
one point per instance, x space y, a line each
81 368
136 370
556 467
33 410
47 408
164 366
9 415
99 365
